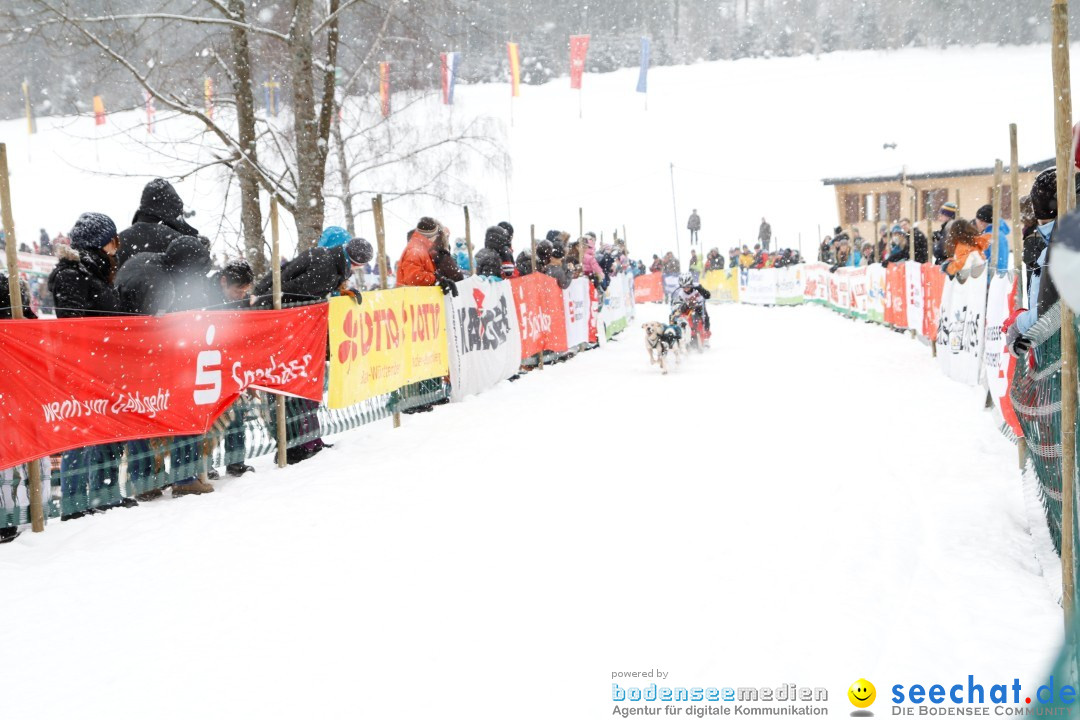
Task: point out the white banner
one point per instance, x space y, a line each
960 329
998 366
859 281
576 306
875 293
614 313
758 287
31 263
816 282
790 285
485 344
914 295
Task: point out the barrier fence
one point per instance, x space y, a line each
112 408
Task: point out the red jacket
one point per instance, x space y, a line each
416 268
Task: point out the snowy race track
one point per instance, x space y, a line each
810 502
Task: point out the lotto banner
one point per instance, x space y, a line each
758 287
876 277
933 284
649 288
723 285
74 383
394 338
485 341
961 329
999 363
539 303
576 311
896 313
790 285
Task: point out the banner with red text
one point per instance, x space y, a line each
541 320
73 383
485 342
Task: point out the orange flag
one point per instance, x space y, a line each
515 68
99 111
384 88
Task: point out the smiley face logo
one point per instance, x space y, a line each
862 693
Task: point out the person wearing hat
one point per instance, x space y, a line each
416 268
984 223
316 273
946 214
898 246
82 286
158 221
965 240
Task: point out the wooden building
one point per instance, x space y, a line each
868 203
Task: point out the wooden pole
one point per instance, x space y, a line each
1059 47
275 269
581 222
1018 251
995 223
532 236
37 512
468 241
380 238
1017 223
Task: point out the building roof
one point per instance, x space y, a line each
1034 167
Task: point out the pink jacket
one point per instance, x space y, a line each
589 265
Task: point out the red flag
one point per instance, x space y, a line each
515 68
99 111
384 88
579 47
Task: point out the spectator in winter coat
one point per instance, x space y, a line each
920 244
695 267
44 244
733 258
825 250
489 264
524 263
867 255
461 256
549 258
589 265
984 222
6 311
764 235
898 247
657 264
158 221
232 285
759 257
171 281
1034 242
946 214
746 258
82 281
81 284
671 264
497 239
714 260
694 225
965 240
315 273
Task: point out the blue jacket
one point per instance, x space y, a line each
462 258
1003 243
1030 316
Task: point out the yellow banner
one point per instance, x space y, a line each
723 284
394 338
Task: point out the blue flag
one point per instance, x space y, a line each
643 75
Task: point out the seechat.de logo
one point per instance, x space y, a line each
862 695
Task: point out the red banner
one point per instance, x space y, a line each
579 47
896 295
933 285
74 383
541 317
649 288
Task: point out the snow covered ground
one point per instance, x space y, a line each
811 502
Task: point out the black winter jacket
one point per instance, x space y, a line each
80 284
5 300
171 281
311 275
158 221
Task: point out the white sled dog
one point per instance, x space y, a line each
661 340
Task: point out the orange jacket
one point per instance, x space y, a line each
963 249
416 267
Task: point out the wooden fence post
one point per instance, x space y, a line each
37 511
468 242
380 238
275 270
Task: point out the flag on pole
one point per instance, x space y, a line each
150 112
384 88
643 74
579 46
208 96
99 111
270 93
515 68
31 123
450 61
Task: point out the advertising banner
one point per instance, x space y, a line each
723 285
394 338
30 264
896 313
999 363
576 310
539 304
649 288
615 311
790 285
913 295
817 283
875 293
859 281
961 329
758 287
933 282
73 383
485 341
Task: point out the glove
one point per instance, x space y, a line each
354 295
945 267
885 262
449 287
1019 347
833 268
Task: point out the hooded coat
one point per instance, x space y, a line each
158 221
416 267
311 275
170 281
5 310
81 283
